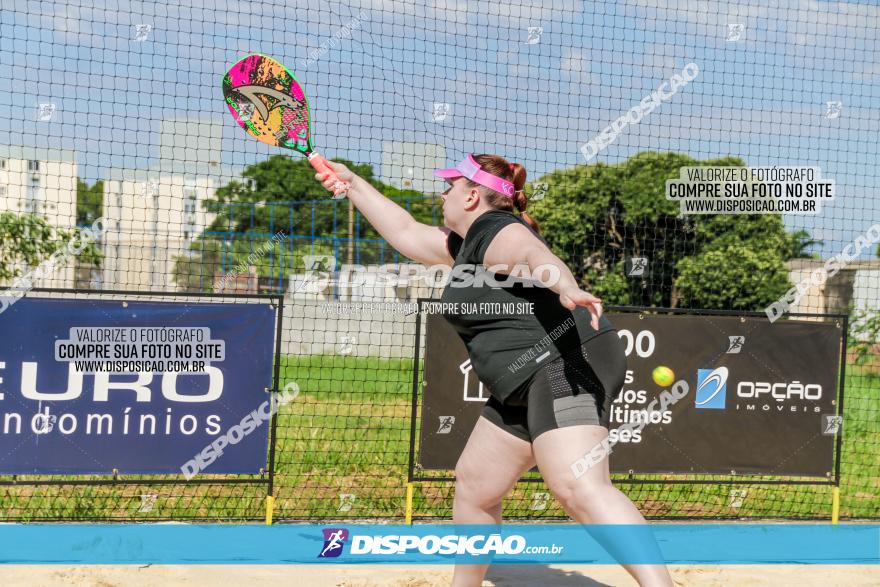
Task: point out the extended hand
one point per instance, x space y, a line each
344 173
575 297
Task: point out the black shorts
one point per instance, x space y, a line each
576 388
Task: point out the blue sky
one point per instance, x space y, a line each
762 98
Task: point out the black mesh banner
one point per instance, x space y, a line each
750 396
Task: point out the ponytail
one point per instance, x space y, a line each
514 173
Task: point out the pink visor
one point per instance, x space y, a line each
469 168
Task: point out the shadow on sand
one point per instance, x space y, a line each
531 575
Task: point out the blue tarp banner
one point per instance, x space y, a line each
757 544
89 386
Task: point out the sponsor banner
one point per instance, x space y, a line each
759 401
93 386
440 544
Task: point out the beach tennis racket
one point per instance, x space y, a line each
269 103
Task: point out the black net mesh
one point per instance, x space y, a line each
115 112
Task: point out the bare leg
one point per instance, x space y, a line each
591 498
488 468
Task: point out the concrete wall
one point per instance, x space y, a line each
410 166
315 324
314 327
362 316
857 284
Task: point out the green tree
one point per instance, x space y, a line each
271 196
864 337
597 216
208 260
734 276
195 269
261 201
89 201
26 240
800 242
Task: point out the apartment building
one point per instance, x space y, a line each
150 219
41 181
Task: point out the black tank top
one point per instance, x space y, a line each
507 347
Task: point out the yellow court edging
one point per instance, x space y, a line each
409 499
270 505
835 504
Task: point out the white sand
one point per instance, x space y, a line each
424 575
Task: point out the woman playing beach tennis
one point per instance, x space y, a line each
552 373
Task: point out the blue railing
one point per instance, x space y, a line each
299 221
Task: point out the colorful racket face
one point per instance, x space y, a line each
268 102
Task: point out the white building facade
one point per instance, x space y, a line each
410 166
41 181
150 219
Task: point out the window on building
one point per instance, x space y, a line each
190 200
2 163
32 197
33 165
2 191
190 197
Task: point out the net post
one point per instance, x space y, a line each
270 505
409 501
835 504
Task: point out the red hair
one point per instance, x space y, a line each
515 174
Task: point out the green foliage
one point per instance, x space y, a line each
800 242
596 216
195 270
610 286
26 240
273 195
208 260
593 216
575 201
260 203
89 201
864 334
266 256
734 276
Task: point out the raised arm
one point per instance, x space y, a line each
516 244
420 242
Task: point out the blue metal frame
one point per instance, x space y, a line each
309 237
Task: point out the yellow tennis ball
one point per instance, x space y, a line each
663 376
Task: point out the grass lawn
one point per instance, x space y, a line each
350 435
343 447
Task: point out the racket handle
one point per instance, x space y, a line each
320 165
